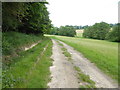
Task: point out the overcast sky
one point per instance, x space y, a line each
82 12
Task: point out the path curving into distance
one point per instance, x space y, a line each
64 76
62 71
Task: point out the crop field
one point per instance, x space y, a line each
79 33
103 53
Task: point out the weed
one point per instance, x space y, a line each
84 78
65 52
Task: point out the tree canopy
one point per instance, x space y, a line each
113 35
26 17
97 31
64 31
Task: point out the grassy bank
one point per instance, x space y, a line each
11 41
103 53
14 42
31 69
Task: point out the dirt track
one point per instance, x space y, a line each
64 76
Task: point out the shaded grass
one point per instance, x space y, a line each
19 73
103 53
85 79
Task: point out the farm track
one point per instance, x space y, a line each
64 76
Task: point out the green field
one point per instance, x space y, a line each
103 53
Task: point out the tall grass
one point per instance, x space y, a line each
13 43
24 73
14 40
103 53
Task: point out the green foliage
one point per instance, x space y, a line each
37 20
113 35
64 31
12 12
54 31
97 31
26 17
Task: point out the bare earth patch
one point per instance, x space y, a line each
27 48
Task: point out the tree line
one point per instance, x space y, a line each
63 31
25 17
103 31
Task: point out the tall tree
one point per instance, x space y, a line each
27 17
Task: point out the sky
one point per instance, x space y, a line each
82 12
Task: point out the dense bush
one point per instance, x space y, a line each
97 31
113 35
64 31
26 17
54 31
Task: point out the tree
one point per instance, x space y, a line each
54 31
113 35
97 31
88 32
64 31
26 17
12 12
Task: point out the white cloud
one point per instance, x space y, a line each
82 12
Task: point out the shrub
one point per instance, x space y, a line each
113 35
64 31
97 31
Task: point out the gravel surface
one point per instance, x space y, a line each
62 72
